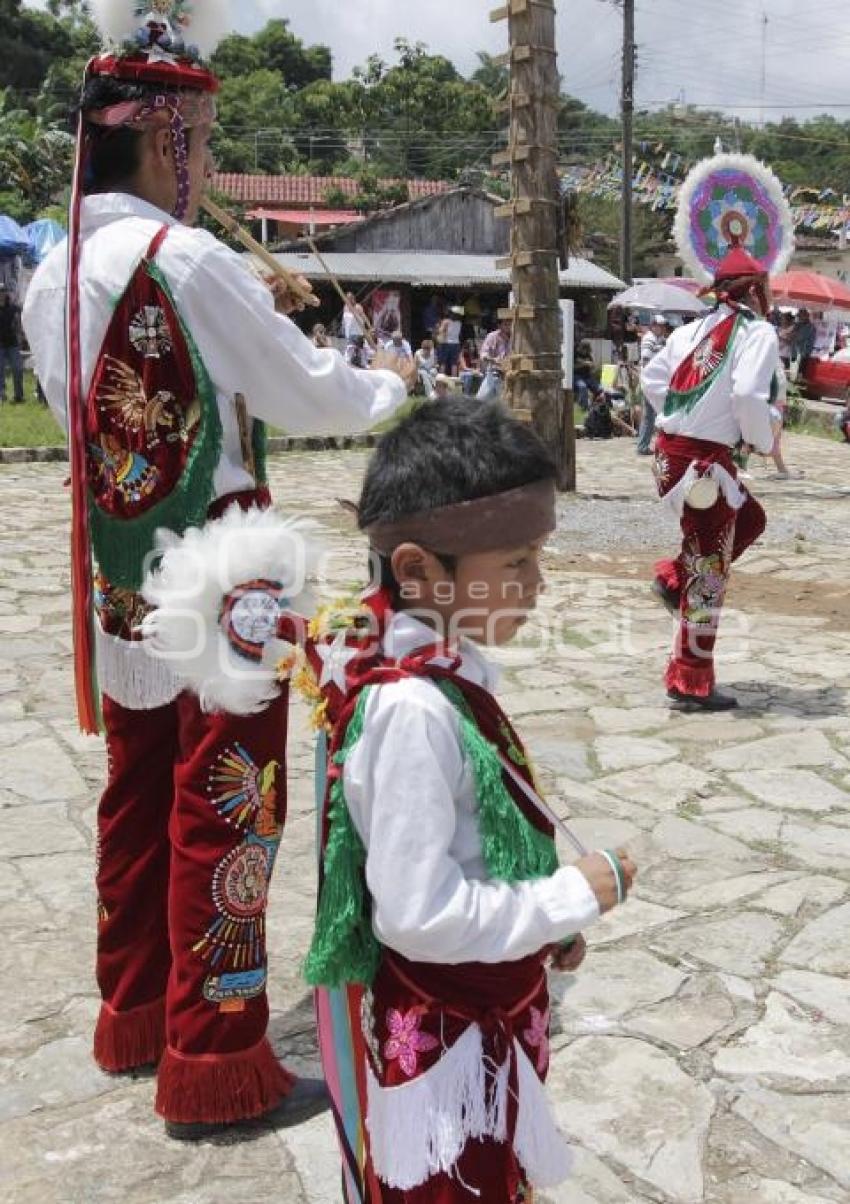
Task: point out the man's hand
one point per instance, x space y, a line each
287 302
567 958
601 879
401 365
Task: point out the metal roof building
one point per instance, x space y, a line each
434 269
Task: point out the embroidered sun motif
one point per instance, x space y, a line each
239 790
407 1040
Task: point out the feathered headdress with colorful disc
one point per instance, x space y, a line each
162 46
728 204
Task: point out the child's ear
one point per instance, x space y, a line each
410 564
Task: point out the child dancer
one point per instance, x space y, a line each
441 900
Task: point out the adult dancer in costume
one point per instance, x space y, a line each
176 358
712 386
441 900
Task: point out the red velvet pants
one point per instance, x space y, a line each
712 540
188 829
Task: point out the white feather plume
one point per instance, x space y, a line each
196 573
694 180
118 20
211 21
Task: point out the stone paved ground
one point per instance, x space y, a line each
703 1054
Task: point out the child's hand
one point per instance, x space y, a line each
600 876
567 958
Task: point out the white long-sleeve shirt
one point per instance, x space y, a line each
737 403
245 345
411 794
246 348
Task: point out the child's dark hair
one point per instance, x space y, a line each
446 452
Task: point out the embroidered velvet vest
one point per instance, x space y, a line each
153 428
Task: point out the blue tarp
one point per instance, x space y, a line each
13 239
43 236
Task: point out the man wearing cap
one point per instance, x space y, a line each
176 358
651 343
712 385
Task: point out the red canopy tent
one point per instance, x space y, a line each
810 288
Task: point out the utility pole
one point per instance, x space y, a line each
627 109
764 24
534 381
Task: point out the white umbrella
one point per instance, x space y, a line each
661 297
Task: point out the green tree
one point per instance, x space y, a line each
35 160
491 75
329 124
276 49
423 117
599 220
582 134
255 130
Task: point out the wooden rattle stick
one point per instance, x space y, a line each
302 293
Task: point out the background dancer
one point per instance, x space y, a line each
176 357
712 386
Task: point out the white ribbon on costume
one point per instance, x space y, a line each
676 499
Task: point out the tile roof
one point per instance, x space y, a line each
308 190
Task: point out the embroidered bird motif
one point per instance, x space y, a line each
124 391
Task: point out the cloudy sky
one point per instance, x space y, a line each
708 53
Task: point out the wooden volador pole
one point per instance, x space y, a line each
535 381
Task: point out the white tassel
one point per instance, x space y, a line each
540 1145
129 675
420 1129
195 575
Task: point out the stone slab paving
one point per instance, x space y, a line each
703 1053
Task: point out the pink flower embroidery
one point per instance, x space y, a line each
538 1037
407 1040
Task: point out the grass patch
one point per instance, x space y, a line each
30 424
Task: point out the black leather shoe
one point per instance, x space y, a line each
307 1099
715 701
670 599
